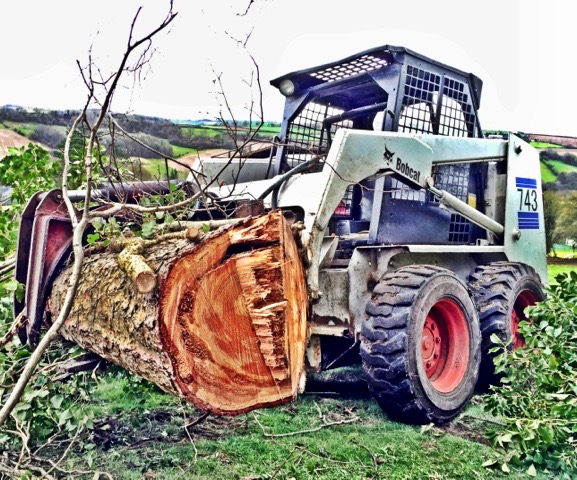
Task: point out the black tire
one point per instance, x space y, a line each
501 291
397 344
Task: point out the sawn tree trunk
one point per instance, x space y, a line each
225 326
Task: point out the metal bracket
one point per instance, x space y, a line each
44 241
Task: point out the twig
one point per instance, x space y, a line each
197 420
7 265
283 463
17 324
65 454
321 416
484 420
375 463
301 432
190 436
304 450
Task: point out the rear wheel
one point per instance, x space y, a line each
420 344
501 292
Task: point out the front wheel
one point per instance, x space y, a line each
420 344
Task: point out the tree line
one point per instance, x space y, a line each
161 134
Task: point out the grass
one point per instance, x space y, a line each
140 432
563 262
547 175
555 270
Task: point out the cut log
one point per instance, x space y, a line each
225 328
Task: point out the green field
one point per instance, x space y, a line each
547 175
270 130
25 129
544 145
207 132
563 262
178 151
562 167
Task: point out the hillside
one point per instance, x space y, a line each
8 139
191 139
567 142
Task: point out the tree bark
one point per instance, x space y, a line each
225 328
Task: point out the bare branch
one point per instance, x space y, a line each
79 224
247 9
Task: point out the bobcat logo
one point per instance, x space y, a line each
388 156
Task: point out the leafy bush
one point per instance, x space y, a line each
47 407
26 171
538 396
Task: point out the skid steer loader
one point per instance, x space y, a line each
419 238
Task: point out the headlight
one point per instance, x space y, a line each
287 88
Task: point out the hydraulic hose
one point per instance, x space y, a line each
275 186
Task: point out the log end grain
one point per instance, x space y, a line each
233 317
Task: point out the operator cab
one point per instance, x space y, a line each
386 89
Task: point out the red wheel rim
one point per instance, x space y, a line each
525 299
445 345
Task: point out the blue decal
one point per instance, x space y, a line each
521 182
528 220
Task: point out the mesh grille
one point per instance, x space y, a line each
459 229
456 118
418 103
400 191
306 136
452 178
366 63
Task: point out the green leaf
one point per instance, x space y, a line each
505 468
148 228
57 400
553 363
547 433
64 416
531 471
10 285
92 238
489 463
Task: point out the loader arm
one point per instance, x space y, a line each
357 155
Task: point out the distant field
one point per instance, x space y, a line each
544 145
564 251
181 151
547 176
157 169
209 132
266 129
22 128
562 167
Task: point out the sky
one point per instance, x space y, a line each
523 50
